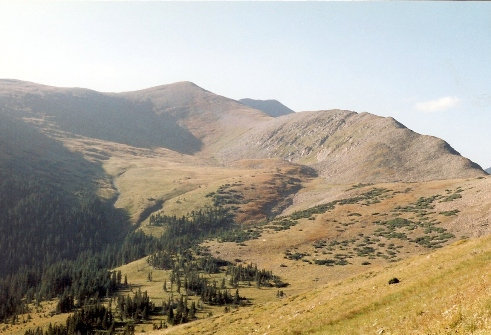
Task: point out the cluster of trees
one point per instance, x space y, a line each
195 283
180 311
183 232
85 277
94 317
137 308
104 283
89 319
213 296
42 224
250 273
185 261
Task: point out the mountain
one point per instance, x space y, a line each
342 146
175 184
181 117
212 119
273 108
345 146
488 170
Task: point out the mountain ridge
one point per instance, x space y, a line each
343 146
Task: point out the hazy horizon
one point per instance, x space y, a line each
425 64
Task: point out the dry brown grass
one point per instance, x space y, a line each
441 292
446 292
40 316
268 251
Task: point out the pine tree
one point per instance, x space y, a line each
170 315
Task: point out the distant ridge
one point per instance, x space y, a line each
273 108
488 170
182 116
342 146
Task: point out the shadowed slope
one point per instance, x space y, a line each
98 115
49 201
182 116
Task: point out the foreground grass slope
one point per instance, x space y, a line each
350 295
445 292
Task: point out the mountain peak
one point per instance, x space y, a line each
180 86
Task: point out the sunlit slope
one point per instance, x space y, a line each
331 290
149 185
373 225
345 146
446 292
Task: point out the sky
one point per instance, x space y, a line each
427 64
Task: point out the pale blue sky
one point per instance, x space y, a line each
427 64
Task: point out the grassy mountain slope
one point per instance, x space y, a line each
144 141
344 146
177 148
446 292
329 244
443 289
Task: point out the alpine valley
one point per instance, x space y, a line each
173 210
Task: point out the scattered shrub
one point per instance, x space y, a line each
394 281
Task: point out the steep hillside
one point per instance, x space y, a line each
51 209
48 195
25 152
344 146
273 108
